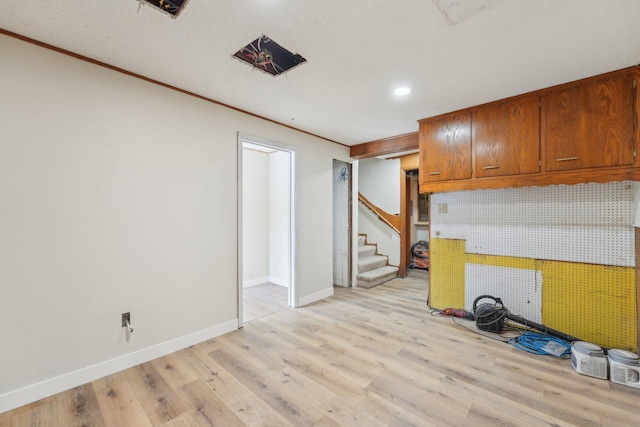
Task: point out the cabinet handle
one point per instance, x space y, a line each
491 167
434 173
566 159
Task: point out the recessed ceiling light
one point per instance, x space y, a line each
402 91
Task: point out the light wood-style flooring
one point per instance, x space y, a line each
364 357
263 300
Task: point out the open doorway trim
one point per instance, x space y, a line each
293 298
407 163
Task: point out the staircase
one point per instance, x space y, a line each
372 268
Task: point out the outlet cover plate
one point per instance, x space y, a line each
126 317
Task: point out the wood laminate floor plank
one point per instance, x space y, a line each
42 413
184 420
6 419
271 391
274 360
119 403
363 357
159 399
263 300
209 409
248 406
79 407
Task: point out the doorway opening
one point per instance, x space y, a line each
416 228
266 218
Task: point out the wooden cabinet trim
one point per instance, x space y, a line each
636 116
386 146
539 179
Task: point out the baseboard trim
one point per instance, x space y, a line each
317 296
32 393
255 282
279 282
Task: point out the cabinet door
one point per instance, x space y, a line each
506 137
445 148
589 125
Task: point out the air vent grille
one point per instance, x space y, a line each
172 7
268 56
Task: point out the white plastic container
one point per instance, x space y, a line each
589 359
624 367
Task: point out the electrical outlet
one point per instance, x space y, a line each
126 318
442 208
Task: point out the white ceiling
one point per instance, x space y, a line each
357 52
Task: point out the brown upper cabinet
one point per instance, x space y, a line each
445 148
584 131
589 125
505 137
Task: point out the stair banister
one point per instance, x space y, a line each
391 220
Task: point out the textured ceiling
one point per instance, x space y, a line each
454 54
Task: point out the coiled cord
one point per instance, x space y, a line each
538 343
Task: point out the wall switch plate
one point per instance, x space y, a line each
442 208
126 318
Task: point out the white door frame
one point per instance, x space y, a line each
293 298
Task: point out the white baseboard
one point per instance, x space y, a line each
34 392
278 281
317 296
255 282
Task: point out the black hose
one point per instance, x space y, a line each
541 328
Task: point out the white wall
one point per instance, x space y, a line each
118 195
279 217
378 232
255 217
266 217
422 233
379 182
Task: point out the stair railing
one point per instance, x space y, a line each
391 220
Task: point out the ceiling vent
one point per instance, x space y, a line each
172 7
268 56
